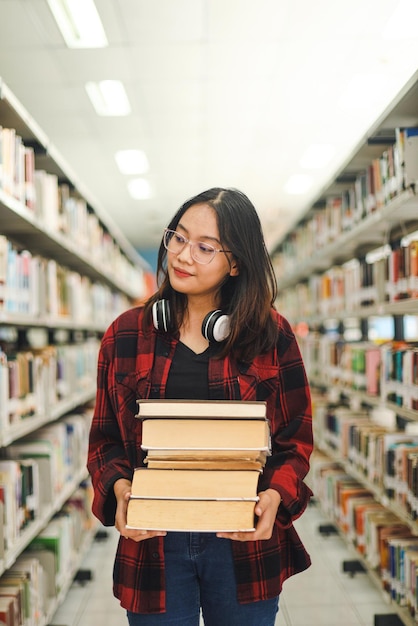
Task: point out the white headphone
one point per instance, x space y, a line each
215 326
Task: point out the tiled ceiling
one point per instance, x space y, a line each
223 93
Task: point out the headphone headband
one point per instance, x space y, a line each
215 326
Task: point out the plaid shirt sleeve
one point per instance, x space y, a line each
291 430
107 461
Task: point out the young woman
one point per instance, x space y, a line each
212 258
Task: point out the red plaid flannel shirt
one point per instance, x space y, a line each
133 364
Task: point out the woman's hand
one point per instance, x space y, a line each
266 511
122 490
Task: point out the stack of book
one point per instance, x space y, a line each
203 463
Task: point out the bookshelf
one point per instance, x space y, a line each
347 281
66 271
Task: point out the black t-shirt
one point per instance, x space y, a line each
188 377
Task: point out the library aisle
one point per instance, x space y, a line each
322 596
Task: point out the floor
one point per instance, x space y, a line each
322 596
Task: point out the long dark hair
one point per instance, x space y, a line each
248 297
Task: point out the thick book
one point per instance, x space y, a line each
191 515
197 484
214 409
209 434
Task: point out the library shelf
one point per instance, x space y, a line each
73 235
355 214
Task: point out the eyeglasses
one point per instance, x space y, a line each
200 251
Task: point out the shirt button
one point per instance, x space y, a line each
155 555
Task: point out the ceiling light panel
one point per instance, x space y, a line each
131 162
139 189
402 23
79 23
109 98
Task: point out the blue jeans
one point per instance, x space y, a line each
200 573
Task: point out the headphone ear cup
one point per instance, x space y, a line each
215 326
161 315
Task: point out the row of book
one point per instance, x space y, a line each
388 371
388 545
32 382
58 209
17 167
31 588
36 472
202 465
375 450
42 289
389 274
393 171
373 188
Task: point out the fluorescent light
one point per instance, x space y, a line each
298 184
403 21
79 23
317 155
132 161
109 97
139 188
